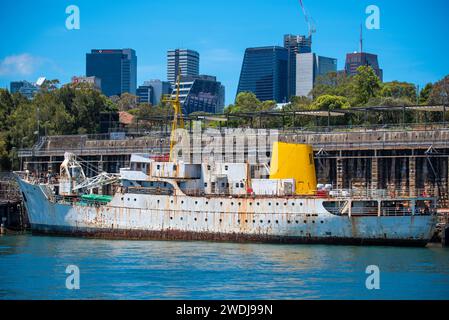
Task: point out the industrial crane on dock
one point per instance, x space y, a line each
178 120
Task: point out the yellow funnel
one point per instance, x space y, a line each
294 161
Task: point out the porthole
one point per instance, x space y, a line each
135 199
158 201
297 221
194 219
305 221
277 221
221 220
288 221
261 221
221 203
182 201
246 221
205 219
238 221
258 203
129 199
269 221
232 203
240 203
171 218
285 203
250 203
293 204
254 221
277 203
207 202
300 203
181 218
122 198
322 221
196 202
313 221
269 203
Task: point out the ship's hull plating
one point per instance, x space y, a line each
273 220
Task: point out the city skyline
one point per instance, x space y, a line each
53 51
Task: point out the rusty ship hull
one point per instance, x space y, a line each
214 218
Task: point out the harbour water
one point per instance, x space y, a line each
34 267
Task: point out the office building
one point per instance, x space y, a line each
357 59
188 61
201 93
25 88
264 72
295 44
145 94
93 81
308 67
117 69
159 89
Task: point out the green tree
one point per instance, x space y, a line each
398 90
425 94
366 85
330 102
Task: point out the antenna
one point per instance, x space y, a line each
361 38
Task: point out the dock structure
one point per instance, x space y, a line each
12 214
411 160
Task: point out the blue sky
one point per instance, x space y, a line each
412 42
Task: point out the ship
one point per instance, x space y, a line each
171 199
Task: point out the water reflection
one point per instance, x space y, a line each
34 267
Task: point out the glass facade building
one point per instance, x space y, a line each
117 70
25 88
159 89
357 59
308 67
201 93
295 44
186 60
264 72
145 94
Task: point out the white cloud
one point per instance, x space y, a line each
219 56
22 64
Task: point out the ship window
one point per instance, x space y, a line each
205 184
232 203
174 167
242 185
238 221
322 221
194 219
240 203
205 219
254 221
182 201
181 218
277 221
158 201
135 199
171 201
227 185
221 203
269 221
236 185
165 184
158 167
208 167
246 221
313 221
226 167
305 221
196 202
220 220
285 203
171 218
250 203
297 221
269 203
207 202
277 203
288 221
261 221
122 198
258 203
129 199
293 203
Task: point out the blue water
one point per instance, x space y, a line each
33 267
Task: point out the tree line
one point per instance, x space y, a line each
76 108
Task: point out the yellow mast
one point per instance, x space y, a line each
178 121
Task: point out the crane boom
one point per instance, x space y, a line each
309 19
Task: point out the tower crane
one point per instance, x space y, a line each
309 20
